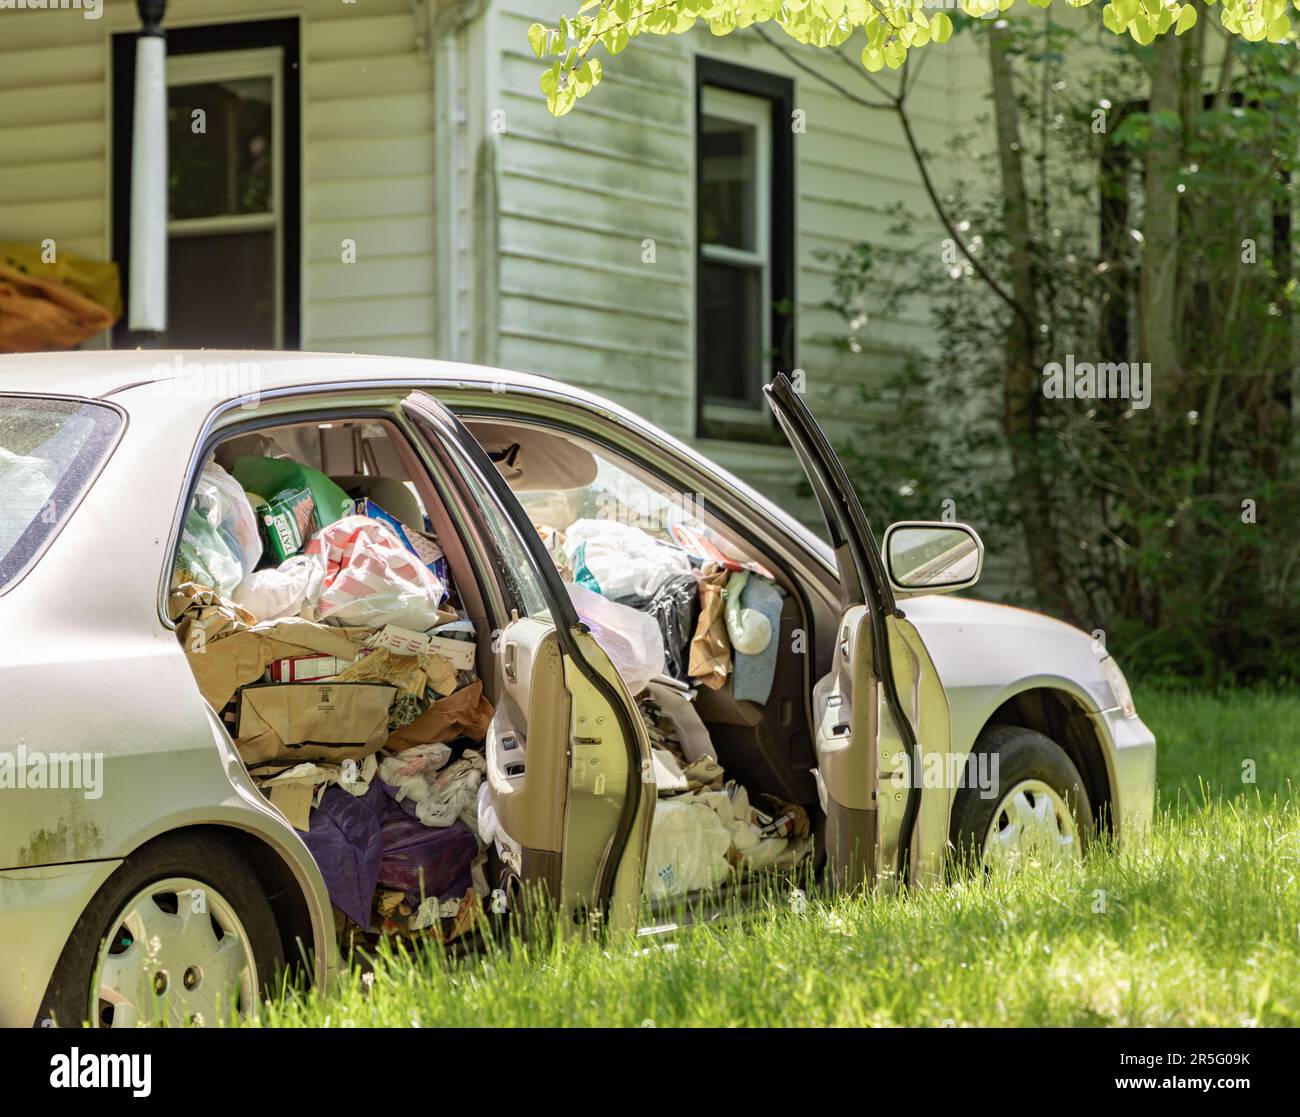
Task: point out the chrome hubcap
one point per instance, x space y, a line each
1031 826
178 954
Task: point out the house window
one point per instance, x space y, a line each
223 195
233 213
745 235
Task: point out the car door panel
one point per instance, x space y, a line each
844 719
527 743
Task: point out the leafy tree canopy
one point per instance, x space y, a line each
892 28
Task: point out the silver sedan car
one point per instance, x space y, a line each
138 859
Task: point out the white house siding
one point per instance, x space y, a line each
487 230
580 195
368 171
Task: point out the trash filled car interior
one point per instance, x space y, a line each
334 621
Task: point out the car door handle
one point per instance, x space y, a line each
512 650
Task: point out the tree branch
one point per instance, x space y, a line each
895 103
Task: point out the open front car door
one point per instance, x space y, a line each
568 757
881 708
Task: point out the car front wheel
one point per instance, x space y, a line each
181 934
1036 811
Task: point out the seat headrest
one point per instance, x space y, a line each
391 495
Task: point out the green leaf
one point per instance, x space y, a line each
1111 17
873 58
616 40
537 39
1141 30
940 27
895 54
1186 19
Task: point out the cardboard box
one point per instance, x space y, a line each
305 668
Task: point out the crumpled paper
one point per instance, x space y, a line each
467 713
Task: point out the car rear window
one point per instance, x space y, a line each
50 452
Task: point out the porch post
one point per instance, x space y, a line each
147 311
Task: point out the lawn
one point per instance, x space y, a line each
1200 925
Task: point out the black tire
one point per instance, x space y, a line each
206 859
1022 754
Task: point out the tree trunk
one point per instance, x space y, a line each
1022 396
1158 281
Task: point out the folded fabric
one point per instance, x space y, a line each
753 673
424 861
345 840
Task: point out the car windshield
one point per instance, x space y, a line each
50 451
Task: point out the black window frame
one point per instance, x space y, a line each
778 91
211 38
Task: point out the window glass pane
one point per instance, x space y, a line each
731 353
225 168
727 184
50 451
221 291
515 567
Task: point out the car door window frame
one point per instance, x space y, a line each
845 518
563 613
566 621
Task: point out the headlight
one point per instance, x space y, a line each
1118 686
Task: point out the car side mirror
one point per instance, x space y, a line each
927 557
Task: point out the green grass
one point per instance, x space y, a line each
1201 926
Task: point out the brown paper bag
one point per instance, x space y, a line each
710 658
224 664
312 721
467 713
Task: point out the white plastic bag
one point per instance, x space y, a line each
222 500
619 560
692 733
687 851
370 579
631 639
28 483
282 591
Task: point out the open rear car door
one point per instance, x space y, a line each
568 757
882 706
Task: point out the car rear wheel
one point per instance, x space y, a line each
1038 813
181 934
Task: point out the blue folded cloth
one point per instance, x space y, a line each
753 674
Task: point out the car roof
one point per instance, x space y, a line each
134 378
101 374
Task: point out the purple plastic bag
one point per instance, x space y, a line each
424 860
346 841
